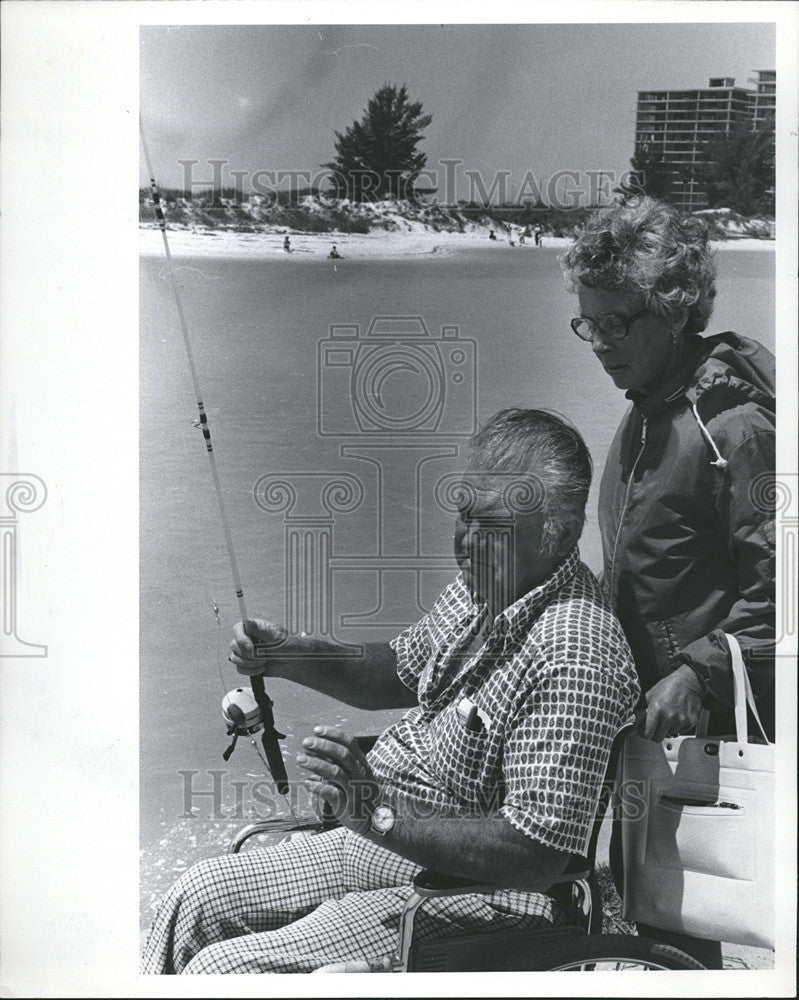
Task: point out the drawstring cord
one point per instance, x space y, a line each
719 462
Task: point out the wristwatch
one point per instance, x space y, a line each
383 820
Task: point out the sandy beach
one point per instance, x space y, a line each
414 242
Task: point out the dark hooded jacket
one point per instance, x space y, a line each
686 512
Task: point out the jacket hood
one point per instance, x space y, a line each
737 366
725 367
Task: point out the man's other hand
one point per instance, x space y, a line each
341 777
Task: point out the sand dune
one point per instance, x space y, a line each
210 243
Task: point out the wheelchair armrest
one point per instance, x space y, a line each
243 835
269 826
429 883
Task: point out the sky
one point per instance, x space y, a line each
531 99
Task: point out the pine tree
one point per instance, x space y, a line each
377 156
649 173
737 169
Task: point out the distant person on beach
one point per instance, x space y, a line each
537 235
287 244
334 254
491 234
689 547
514 685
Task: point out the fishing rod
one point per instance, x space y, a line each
245 712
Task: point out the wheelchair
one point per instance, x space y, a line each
577 945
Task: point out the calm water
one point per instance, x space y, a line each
256 327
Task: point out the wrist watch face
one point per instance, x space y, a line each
383 820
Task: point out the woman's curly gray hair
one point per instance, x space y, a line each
646 245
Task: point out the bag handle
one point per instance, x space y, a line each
743 694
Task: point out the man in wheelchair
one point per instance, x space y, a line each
516 683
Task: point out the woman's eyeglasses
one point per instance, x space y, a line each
611 326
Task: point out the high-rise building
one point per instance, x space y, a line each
764 98
680 122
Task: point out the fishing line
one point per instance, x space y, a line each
219 646
241 722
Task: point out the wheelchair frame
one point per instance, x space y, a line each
577 891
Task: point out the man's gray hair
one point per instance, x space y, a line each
541 452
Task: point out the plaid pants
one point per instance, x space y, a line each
307 902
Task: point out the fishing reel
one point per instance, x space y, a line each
241 713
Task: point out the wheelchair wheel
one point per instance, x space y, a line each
615 953
597 953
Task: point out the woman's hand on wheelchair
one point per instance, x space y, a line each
672 705
341 777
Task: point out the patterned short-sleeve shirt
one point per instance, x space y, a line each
525 725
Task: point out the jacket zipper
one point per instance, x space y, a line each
624 509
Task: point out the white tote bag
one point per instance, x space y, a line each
698 830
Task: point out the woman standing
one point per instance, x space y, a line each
688 541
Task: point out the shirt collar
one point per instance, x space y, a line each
518 617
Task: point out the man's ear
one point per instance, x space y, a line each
567 537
